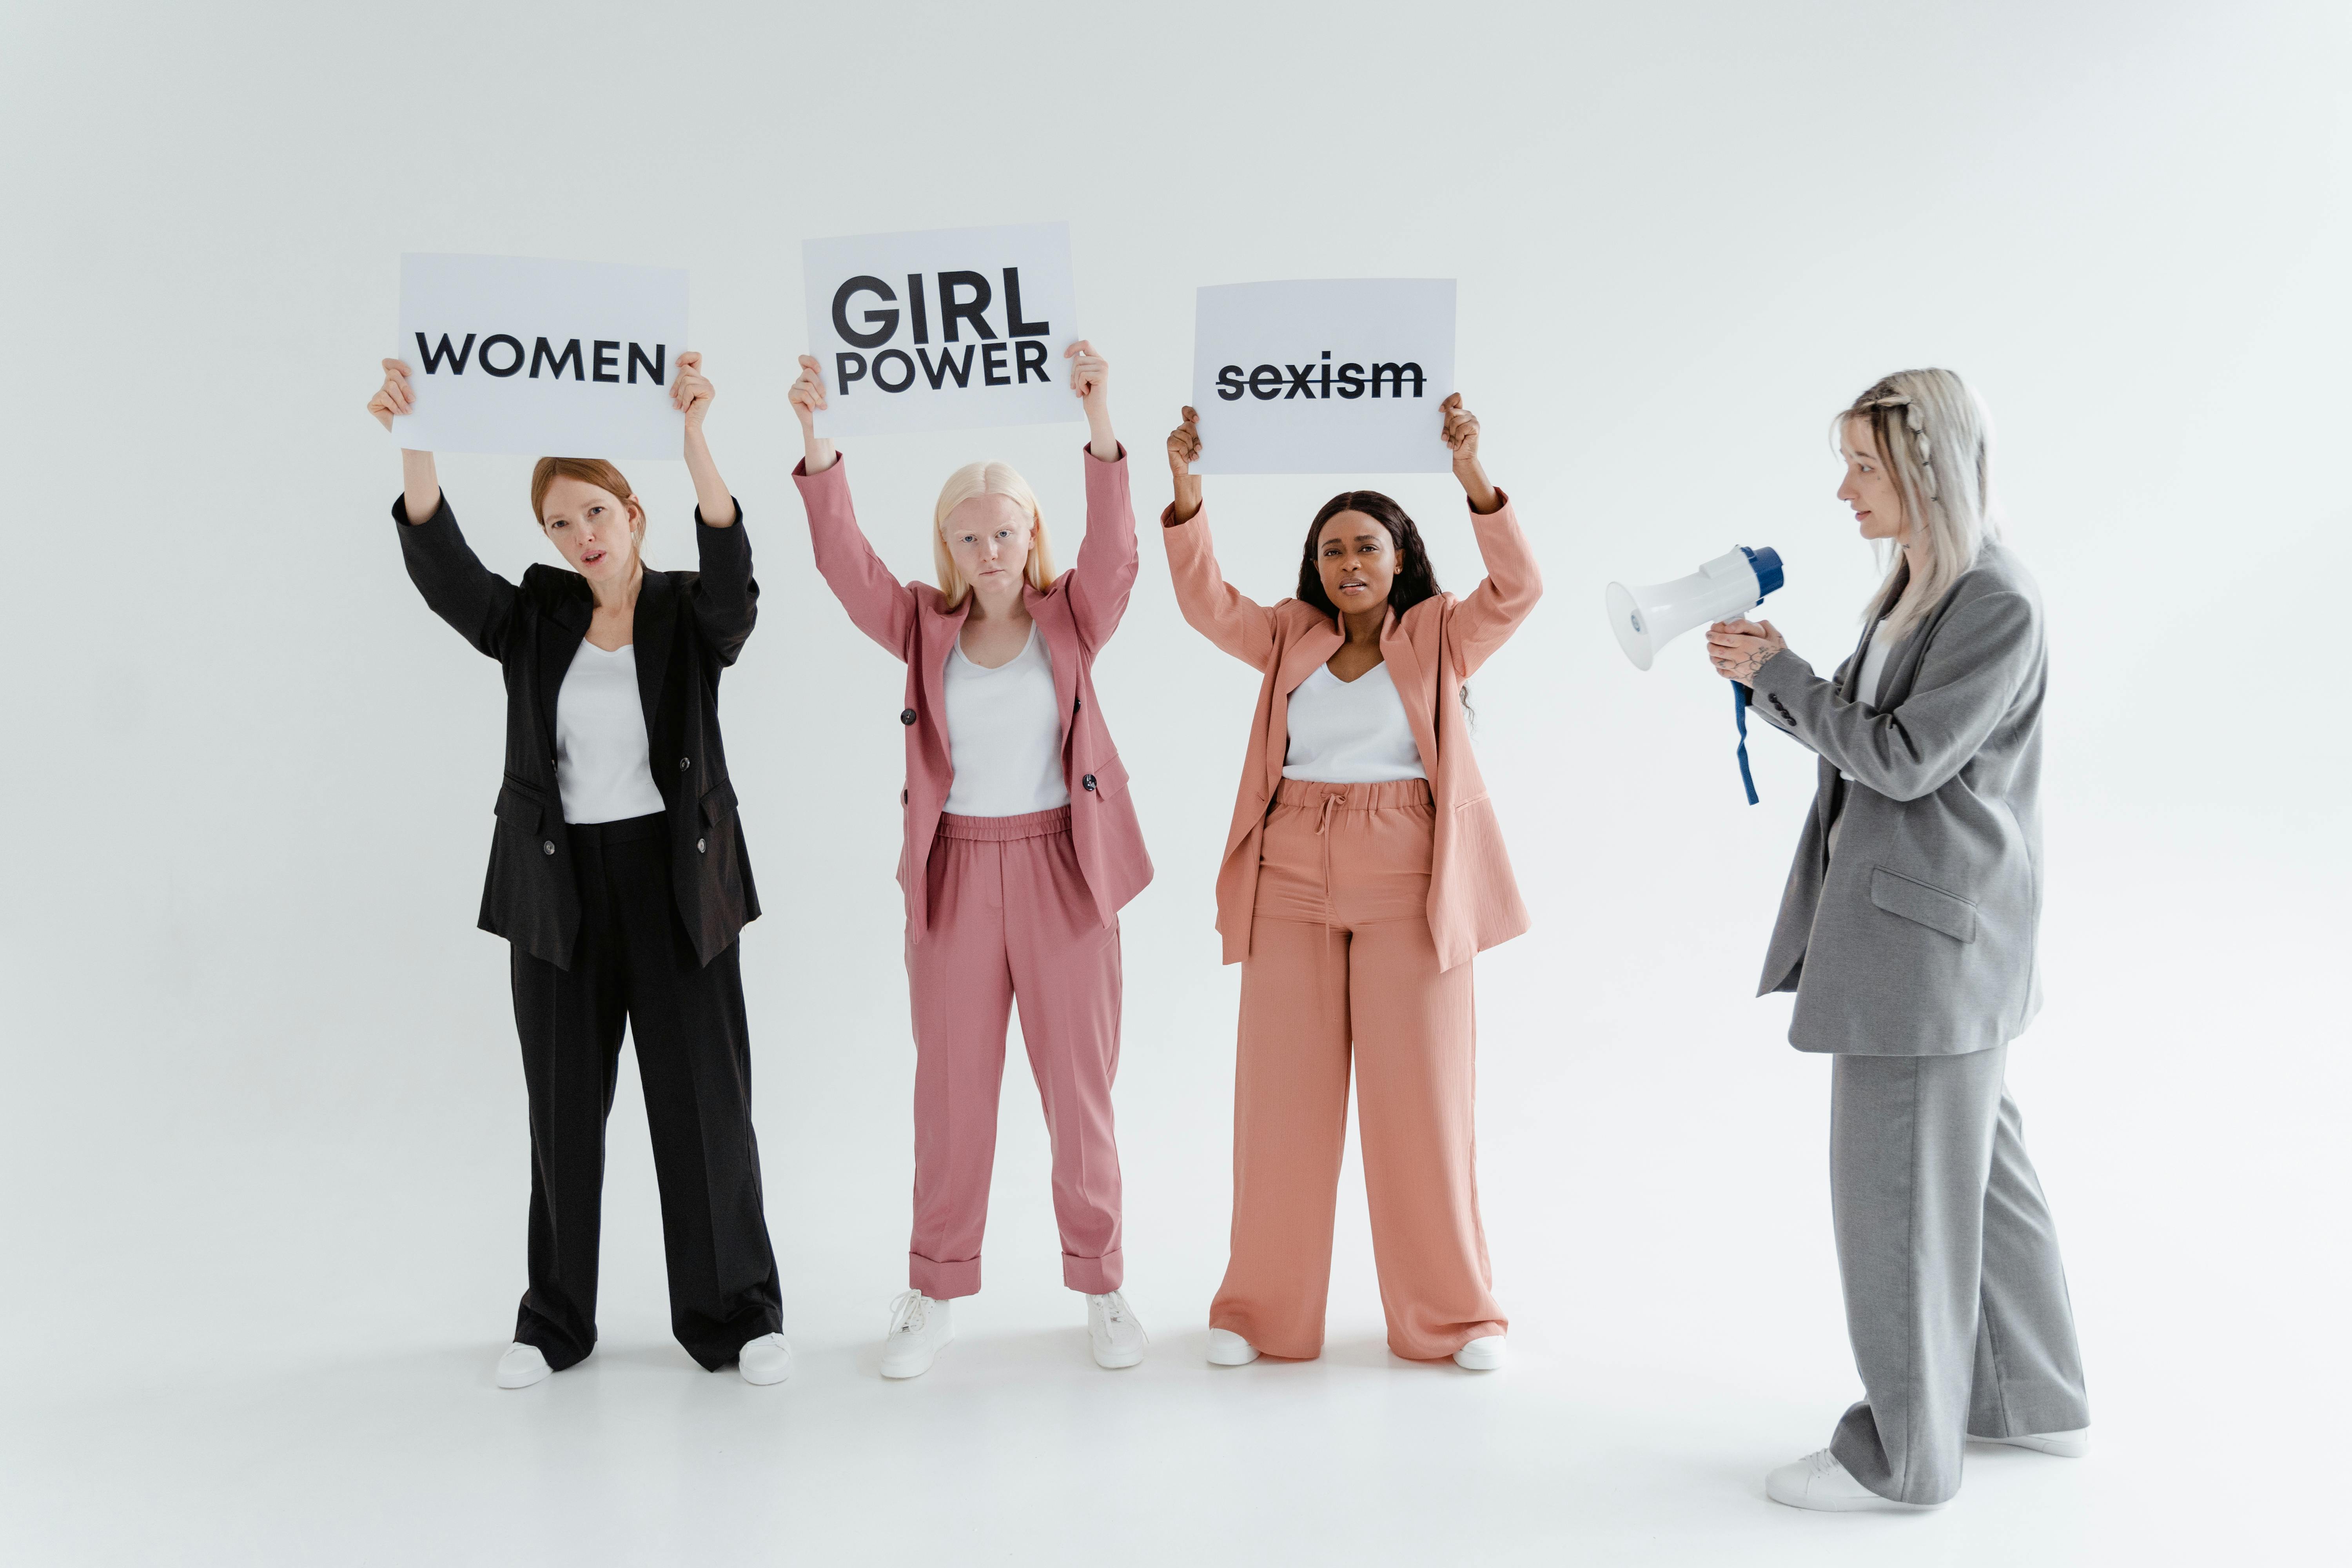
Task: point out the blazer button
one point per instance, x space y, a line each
1089 781
906 715
684 763
1077 703
700 846
548 848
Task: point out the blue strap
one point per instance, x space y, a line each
1739 717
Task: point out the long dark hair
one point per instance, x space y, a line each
1415 579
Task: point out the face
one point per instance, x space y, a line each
596 531
1869 487
1358 561
989 538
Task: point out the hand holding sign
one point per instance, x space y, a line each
1461 437
394 397
806 397
690 391
1183 448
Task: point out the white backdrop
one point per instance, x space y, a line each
262 1149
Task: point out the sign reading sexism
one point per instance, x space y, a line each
568 359
943 329
1336 377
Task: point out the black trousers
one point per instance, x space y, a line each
634 963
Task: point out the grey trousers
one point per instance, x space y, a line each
1955 1298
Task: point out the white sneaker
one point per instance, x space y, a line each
1819 1481
2065 1445
522 1365
919 1330
1487 1354
766 1359
1118 1337
1227 1348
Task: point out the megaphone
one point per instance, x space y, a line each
1646 619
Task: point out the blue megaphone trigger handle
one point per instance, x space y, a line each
1739 717
1767 563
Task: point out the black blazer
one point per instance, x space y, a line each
689 626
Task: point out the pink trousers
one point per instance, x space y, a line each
1010 920
1342 969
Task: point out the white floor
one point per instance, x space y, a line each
1016 1448
238 1426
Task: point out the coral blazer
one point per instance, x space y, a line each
1431 649
1076 616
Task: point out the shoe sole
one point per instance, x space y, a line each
527 1382
1494 1365
1222 1360
919 1371
783 1376
1872 1504
1115 1363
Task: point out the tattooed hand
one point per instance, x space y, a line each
1738 650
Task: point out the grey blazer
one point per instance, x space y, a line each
1918 939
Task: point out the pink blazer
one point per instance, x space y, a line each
1431 649
1076 616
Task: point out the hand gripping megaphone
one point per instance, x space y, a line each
1647 618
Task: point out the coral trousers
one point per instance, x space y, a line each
1341 964
1012 920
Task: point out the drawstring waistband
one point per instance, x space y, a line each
1392 794
1003 829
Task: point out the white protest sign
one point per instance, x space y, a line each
568 359
943 329
1339 375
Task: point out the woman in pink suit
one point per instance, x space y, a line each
1363 869
1021 848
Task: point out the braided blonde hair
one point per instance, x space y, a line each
1936 440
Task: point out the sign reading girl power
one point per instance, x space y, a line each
942 330
567 359
1336 376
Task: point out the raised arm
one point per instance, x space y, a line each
1104 575
419 484
725 597
1240 626
1984 652
881 606
475 600
1487 616
691 393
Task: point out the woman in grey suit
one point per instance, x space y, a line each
1908 933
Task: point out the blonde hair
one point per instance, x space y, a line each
1935 438
988 480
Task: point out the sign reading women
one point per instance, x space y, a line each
543 358
942 330
1335 376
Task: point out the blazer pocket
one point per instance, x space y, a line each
518 810
718 802
1109 778
1930 907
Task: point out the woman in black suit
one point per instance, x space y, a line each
618 875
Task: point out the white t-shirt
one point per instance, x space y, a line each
601 768
1350 731
1004 734
1874 665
